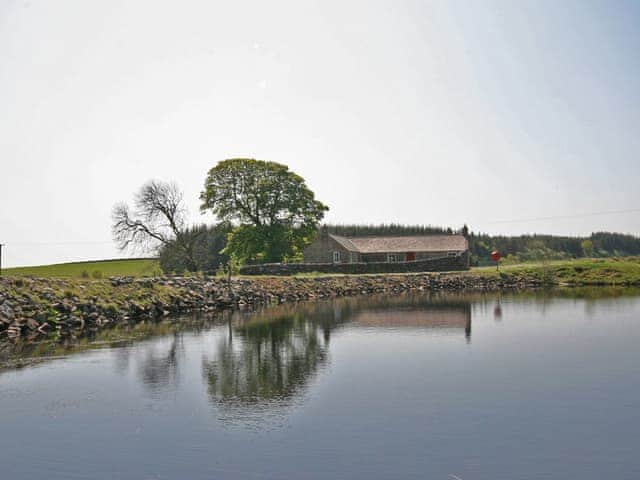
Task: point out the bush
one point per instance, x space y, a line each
97 274
223 269
548 276
84 274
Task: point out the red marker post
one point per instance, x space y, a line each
496 256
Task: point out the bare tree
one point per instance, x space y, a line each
159 219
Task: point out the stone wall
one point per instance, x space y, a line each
440 264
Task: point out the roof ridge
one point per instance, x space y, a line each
400 236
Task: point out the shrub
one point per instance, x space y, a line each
97 274
548 276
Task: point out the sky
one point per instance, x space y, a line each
498 114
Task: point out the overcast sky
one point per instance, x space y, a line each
393 111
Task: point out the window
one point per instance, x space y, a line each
393 257
336 257
452 254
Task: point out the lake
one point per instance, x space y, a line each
414 386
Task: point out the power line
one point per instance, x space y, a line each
564 217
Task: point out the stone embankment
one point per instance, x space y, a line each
31 307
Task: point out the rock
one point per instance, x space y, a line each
6 313
32 324
14 330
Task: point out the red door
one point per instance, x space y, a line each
411 256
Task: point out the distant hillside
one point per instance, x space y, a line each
135 267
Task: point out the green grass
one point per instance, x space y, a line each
583 271
137 267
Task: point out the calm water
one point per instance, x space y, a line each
405 387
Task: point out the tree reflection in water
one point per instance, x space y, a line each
262 366
158 370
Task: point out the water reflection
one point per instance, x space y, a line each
123 338
267 358
263 363
158 369
447 317
497 312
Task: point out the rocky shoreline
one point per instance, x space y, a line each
34 307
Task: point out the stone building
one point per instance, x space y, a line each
329 248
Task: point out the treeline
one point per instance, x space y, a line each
390 229
552 247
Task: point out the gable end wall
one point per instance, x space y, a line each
321 251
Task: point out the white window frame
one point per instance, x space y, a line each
452 254
336 256
393 258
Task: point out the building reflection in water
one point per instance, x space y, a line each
442 317
264 363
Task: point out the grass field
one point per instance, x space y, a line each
585 271
137 267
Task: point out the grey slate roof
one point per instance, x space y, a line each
423 243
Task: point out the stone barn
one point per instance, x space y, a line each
329 248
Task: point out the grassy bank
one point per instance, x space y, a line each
136 267
583 271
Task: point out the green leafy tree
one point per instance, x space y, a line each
275 215
587 248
